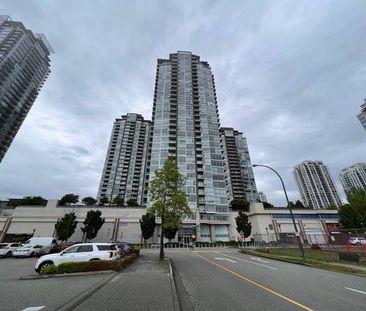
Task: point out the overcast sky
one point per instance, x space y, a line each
291 75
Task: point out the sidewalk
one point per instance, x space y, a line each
145 285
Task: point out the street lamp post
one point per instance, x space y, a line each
288 206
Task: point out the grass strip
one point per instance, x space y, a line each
307 262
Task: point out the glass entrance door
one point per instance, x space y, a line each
186 239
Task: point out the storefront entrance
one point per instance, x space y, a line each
187 234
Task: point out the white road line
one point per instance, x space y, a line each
226 259
233 252
247 261
33 308
356 290
259 259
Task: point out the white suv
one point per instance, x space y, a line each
77 253
7 249
357 241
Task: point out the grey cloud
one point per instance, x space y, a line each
289 74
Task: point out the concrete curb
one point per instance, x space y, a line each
176 304
65 275
274 257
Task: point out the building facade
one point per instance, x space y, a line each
124 172
24 67
362 116
185 126
240 179
316 185
122 224
353 177
275 224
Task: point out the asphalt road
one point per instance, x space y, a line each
51 294
207 279
225 279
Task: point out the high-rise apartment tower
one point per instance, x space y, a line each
240 177
362 115
124 169
316 185
353 176
24 67
185 126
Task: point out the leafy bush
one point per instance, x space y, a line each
50 270
315 246
231 243
97 265
136 249
69 267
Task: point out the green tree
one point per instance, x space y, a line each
147 225
103 200
30 200
169 201
348 217
243 225
353 214
170 233
118 200
92 224
89 201
132 203
297 205
357 199
65 227
240 204
69 199
267 205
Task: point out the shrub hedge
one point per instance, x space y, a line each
98 265
136 249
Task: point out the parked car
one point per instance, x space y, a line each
65 245
77 253
49 249
27 251
6 249
124 248
33 246
357 241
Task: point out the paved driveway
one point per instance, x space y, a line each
50 294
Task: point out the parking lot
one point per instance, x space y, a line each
51 294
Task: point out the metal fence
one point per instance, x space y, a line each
327 243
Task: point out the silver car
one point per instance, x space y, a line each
7 249
27 251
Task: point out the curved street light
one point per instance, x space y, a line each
288 206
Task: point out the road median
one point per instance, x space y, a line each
308 262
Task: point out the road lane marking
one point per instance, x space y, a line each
259 259
356 290
227 259
222 251
257 284
33 308
251 262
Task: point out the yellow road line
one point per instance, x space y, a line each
257 284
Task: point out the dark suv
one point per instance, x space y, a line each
124 248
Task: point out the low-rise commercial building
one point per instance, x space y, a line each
122 224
